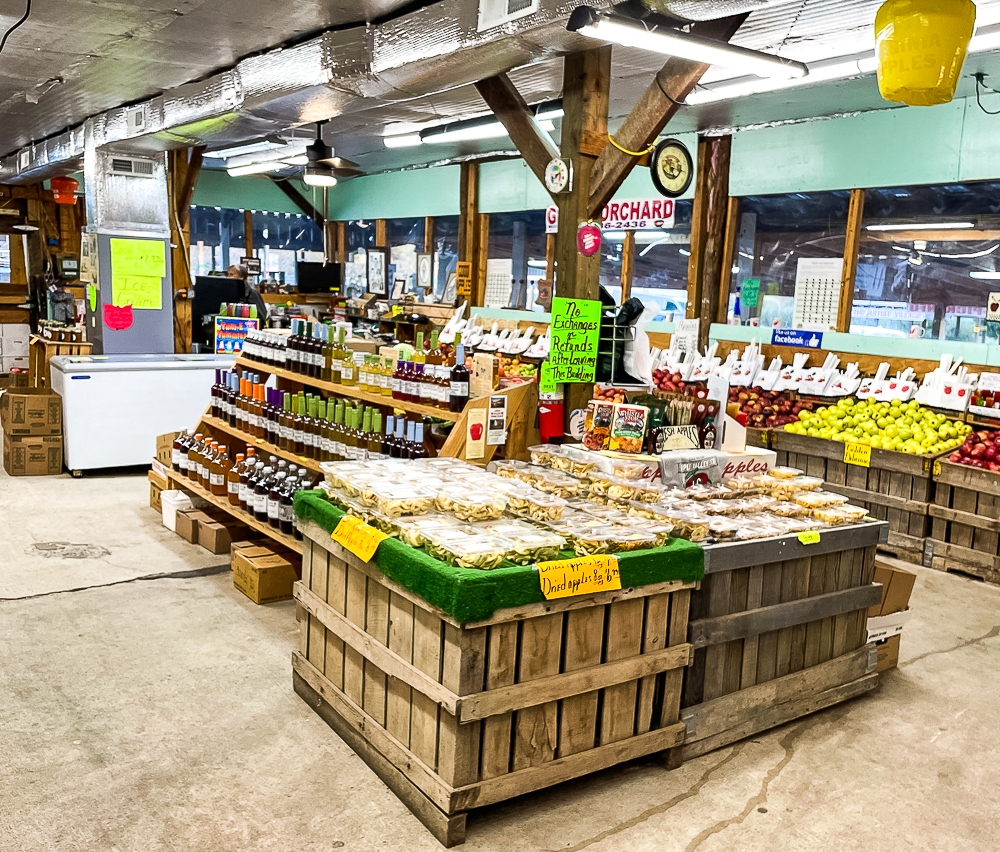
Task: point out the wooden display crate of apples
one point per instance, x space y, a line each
763 409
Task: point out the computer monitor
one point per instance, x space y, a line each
210 292
313 277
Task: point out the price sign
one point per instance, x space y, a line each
546 384
576 324
937 468
585 575
463 278
811 537
357 537
858 454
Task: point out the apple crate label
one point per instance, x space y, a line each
811 537
576 325
797 337
937 468
586 575
858 454
357 537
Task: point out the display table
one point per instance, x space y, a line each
463 688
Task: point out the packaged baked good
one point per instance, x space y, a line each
720 507
743 486
723 529
787 509
628 469
818 499
784 472
708 492
785 489
597 425
628 428
688 524
855 514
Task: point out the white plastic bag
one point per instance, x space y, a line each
637 362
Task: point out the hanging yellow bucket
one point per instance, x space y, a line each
921 47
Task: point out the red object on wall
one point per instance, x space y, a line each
118 319
64 190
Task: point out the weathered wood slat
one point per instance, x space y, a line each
858 495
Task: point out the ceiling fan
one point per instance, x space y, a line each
322 167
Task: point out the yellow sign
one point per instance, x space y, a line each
811 537
357 537
145 258
937 468
142 292
463 278
585 575
858 454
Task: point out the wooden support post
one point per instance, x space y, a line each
428 234
468 222
247 233
381 241
482 259
708 224
341 242
656 107
184 167
303 203
586 86
628 265
550 258
729 250
855 213
331 232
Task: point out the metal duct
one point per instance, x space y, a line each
706 10
340 72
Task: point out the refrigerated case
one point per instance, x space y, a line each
114 406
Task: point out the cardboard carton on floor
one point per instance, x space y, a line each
32 455
31 411
165 448
263 575
217 536
157 485
187 524
886 618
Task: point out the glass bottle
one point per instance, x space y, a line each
286 511
285 423
193 455
204 464
348 371
175 450
336 355
327 354
329 409
397 379
417 374
215 392
364 437
260 492
374 437
417 449
385 377
459 382
248 480
298 437
274 499
219 472
233 480
396 447
185 449
292 348
387 438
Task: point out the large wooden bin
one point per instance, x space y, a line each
458 716
965 528
779 631
895 488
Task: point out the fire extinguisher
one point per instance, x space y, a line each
550 414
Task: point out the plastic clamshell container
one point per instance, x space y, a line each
470 509
478 551
537 505
414 531
818 499
541 454
398 500
784 472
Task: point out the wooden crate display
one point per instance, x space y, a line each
779 631
896 487
454 717
41 351
965 526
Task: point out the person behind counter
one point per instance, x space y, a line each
251 295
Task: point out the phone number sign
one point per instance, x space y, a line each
637 214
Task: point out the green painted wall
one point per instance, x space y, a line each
215 188
398 195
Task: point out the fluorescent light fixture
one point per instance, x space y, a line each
549 110
254 168
686 253
923 226
589 22
299 160
536 264
985 276
405 140
246 148
473 130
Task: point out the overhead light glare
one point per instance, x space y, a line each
246 148
923 226
587 21
985 276
300 160
473 130
405 140
254 168
319 175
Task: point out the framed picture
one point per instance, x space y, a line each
397 289
378 271
425 272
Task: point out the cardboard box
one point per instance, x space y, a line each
263 575
368 347
897 585
157 485
187 524
12 380
165 448
31 411
887 654
32 455
218 536
884 627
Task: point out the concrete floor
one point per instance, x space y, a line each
140 715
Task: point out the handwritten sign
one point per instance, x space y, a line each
146 258
811 537
118 319
750 292
858 454
585 575
546 384
142 292
357 537
576 326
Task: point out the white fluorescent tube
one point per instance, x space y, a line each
461 132
405 140
691 47
254 168
986 276
923 226
248 148
300 160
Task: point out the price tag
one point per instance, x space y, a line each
858 454
546 383
585 575
357 537
811 537
937 468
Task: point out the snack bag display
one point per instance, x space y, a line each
600 415
628 428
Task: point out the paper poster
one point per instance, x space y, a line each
142 292
576 326
546 384
475 439
231 332
817 292
749 293
92 296
145 258
993 308
496 424
686 334
118 319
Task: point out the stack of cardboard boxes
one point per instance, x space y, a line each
886 619
32 432
14 347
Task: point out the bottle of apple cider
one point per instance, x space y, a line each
233 480
417 448
205 463
348 370
219 471
194 456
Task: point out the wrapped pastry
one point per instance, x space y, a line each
783 472
818 499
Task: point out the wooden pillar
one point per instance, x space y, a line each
708 232
855 213
332 247
428 234
247 233
729 250
482 259
469 223
183 169
628 264
550 257
381 240
341 255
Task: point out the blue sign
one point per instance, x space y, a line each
797 337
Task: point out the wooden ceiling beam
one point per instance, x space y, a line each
300 201
658 104
511 110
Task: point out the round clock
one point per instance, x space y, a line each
670 168
558 175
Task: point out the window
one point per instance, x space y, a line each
515 259
406 239
778 232
445 250
928 260
359 236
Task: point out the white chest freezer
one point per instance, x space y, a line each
114 406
